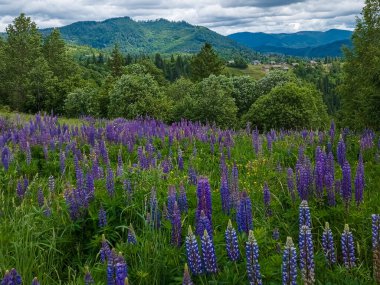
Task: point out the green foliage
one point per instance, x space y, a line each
205 63
244 92
272 79
116 62
137 94
290 107
214 103
361 86
82 102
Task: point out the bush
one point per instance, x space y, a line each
289 106
82 102
243 93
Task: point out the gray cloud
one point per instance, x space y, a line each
223 16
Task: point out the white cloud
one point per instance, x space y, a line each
223 16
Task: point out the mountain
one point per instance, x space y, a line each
308 43
161 36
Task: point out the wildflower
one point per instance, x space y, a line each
182 199
244 214
225 194
131 238
110 183
40 197
203 201
102 217
192 253
119 170
176 226
359 181
348 249
289 263
180 160
232 245
346 184
121 270
5 157
341 152
304 215
88 280
51 183
208 253
291 184
35 282
268 210
328 245
376 246
319 171
186 276
253 266
204 224
306 255
11 278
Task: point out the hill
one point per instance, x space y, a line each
308 43
161 36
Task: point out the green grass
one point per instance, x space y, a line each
255 71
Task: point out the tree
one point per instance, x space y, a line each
271 80
205 63
82 101
243 93
290 107
214 103
360 90
23 49
116 62
136 95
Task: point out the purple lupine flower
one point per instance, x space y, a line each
35 282
289 263
203 224
21 188
359 181
276 234
269 141
328 245
291 184
180 160
225 194
348 248
127 187
203 201
304 215
341 152
208 253
105 251
332 132
376 246
90 186
192 175
319 171
131 238
256 141
176 226
329 182
155 215
110 273
186 276
5 157
172 198
306 247
121 270
268 210
346 183
11 278
40 197
102 217
62 159
88 280
182 199
110 182
51 183
338 187
232 246
253 266
244 214
120 168
28 154
192 253
375 231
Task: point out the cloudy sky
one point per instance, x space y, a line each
223 16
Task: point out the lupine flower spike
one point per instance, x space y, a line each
186 276
304 214
232 245
289 263
35 282
348 248
131 238
376 247
306 255
192 252
208 253
88 280
328 245
253 266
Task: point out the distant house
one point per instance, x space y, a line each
256 62
313 62
295 64
231 61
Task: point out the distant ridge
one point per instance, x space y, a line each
161 36
305 43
